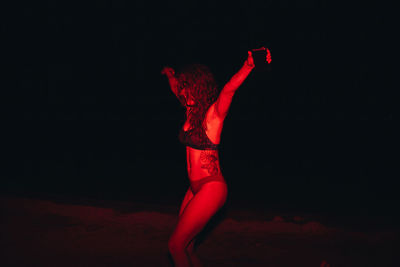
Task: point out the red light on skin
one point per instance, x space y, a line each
269 59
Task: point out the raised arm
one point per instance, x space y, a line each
173 82
225 98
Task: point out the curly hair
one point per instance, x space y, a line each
199 82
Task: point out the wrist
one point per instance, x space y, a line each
248 66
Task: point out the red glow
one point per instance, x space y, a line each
208 191
269 59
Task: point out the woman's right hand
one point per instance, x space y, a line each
168 71
173 82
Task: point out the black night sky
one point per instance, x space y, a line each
91 115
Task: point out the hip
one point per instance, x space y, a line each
197 184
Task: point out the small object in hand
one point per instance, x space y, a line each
262 58
269 59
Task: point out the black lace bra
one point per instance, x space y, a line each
197 138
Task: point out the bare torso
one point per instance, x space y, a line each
202 163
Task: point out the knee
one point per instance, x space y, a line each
175 247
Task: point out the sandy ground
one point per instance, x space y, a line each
44 232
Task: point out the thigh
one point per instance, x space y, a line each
186 199
199 211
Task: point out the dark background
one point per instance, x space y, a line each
90 114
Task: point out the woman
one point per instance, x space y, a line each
196 89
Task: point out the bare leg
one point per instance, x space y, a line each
190 248
188 196
193 257
194 217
